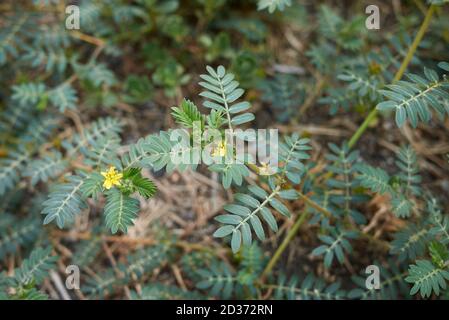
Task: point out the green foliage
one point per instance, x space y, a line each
170 75
346 34
410 242
138 265
292 152
86 252
92 186
217 46
62 155
344 167
28 93
138 89
31 273
400 187
158 291
284 94
19 234
65 203
407 163
375 179
272 5
253 206
439 254
440 225
391 284
63 97
187 114
95 73
133 181
361 84
437 2
426 278
10 169
157 151
120 210
219 280
231 173
411 99
251 265
311 288
11 37
221 93
336 244
49 167
245 216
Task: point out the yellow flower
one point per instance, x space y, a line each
111 178
220 150
266 170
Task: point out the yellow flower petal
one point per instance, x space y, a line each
111 178
266 170
220 150
107 184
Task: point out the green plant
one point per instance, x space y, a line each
79 164
22 285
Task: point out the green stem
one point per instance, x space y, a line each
411 51
314 205
291 233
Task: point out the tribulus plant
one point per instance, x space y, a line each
183 149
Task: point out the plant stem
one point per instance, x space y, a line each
314 205
291 233
411 51
422 30
356 136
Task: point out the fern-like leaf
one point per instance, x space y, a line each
246 214
336 243
44 169
407 163
222 91
311 288
219 279
410 242
63 97
120 211
411 99
375 179
65 202
22 233
36 267
187 114
273 5
10 169
426 278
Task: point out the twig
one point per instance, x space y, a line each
411 51
292 232
56 278
87 38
